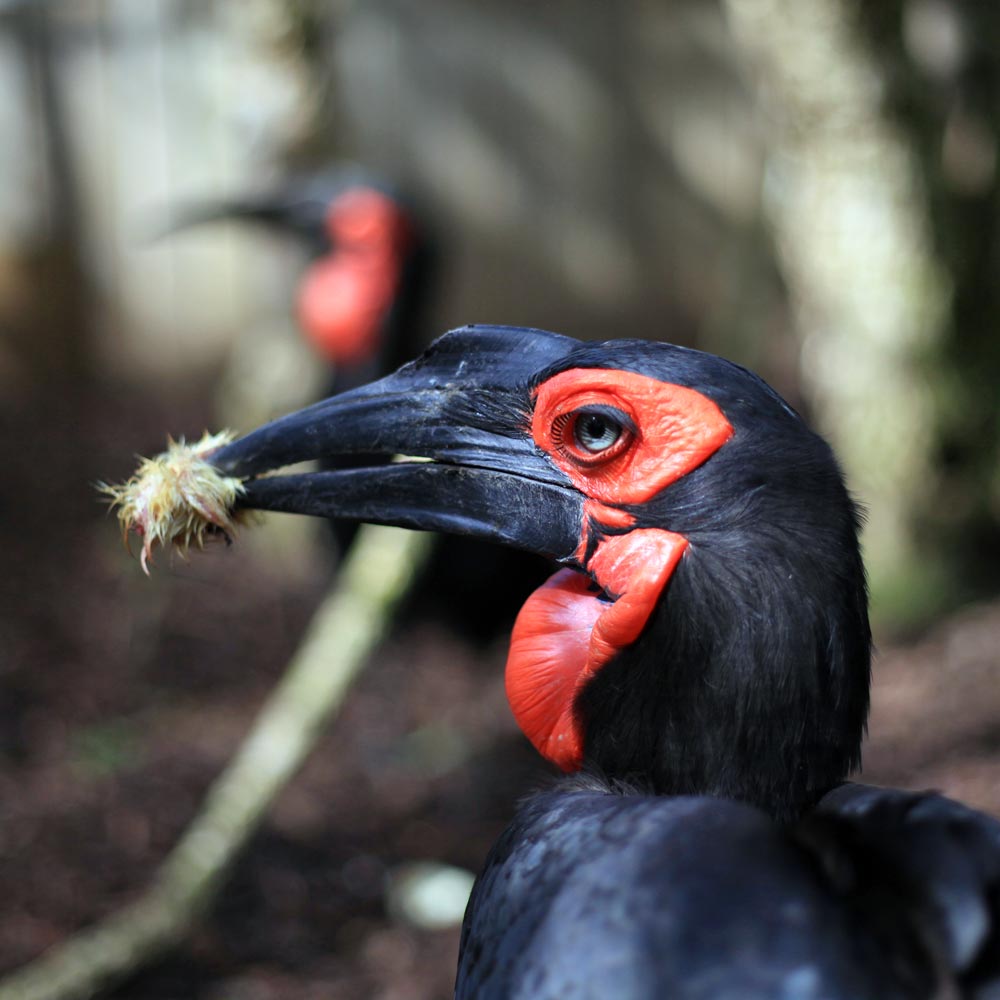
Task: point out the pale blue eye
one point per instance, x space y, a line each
596 432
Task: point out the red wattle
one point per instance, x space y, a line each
548 654
342 305
345 297
565 633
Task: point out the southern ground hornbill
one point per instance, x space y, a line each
699 665
360 300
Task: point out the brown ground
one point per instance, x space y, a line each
122 698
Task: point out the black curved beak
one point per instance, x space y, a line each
464 408
301 214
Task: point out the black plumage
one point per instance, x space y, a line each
603 891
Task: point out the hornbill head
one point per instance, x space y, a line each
708 632
361 238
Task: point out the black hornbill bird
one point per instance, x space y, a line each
360 300
699 666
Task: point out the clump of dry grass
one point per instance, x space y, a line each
178 498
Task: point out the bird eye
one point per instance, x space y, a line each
593 433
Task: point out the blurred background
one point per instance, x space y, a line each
808 187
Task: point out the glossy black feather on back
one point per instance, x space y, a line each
596 892
884 845
720 904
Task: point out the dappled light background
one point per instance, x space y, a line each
808 187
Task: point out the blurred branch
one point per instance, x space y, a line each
352 619
846 201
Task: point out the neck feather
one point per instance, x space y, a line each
752 680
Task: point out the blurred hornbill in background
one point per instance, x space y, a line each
361 305
699 665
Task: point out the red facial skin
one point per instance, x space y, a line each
344 297
565 632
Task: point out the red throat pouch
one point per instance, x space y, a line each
566 632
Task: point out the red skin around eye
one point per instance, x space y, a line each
565 633
678 428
